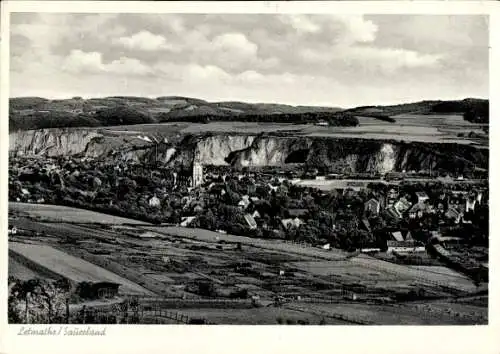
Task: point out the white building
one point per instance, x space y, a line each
470 205
154 202
197 174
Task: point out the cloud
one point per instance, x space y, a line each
288 57
92 63
145 41
300 23
235 43
383 60
355 28
390 59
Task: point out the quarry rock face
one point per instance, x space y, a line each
214 150
53 142
242 150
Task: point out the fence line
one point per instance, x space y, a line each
338 316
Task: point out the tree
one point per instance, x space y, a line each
40 301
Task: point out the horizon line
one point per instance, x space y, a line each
259 102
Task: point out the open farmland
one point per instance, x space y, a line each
317 284
57 213
424 128
72 268
275 245
393 314
20 271
261 316
366 262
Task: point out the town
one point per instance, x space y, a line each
200 169
393 216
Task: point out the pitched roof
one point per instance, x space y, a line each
291 222
371 201
392 212
250 220
402 205
452 213
397 236
421 195
420 207
186 220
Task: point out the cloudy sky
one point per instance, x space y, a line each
337 60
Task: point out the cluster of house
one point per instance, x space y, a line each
455 205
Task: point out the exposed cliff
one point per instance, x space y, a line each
56 142
240 150
358 155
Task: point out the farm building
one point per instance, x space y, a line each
98 290
398 243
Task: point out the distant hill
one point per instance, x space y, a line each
37 112
473 109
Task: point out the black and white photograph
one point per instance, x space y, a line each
248 169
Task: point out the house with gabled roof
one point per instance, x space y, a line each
402 206
454 214
372 207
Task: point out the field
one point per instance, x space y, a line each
71 267
328 185
20 271
316 283
424 128
401 314
260 316
57 213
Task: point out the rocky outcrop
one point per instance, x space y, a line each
214 150
55 142
241 150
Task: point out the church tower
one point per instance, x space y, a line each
197 174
